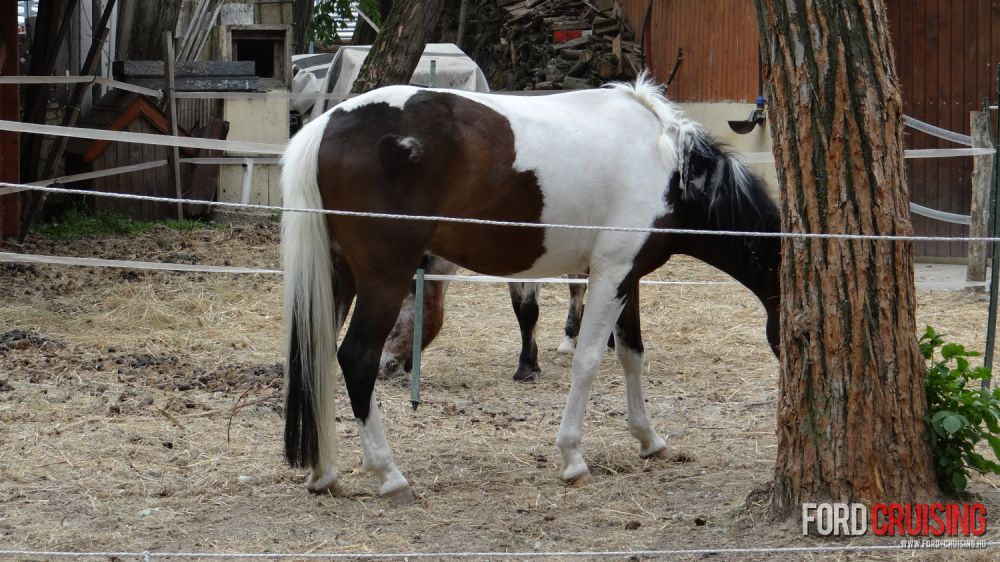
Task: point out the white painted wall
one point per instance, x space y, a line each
258 120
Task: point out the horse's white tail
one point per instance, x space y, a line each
311 333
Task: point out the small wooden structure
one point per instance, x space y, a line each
124 111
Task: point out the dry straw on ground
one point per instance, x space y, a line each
150 418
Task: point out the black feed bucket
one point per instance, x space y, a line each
757 116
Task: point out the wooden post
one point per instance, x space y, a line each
463 17
174 159
982 171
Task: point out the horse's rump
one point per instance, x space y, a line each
590 158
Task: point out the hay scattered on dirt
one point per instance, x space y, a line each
142 411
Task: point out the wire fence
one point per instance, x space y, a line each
271 149
488 222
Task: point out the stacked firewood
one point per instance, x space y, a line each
561 44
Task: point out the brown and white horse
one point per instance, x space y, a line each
620 156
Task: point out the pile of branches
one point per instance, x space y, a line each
553 44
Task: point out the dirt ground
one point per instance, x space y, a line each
141 411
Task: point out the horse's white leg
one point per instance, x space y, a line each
650 444
629 349
603 308
378 458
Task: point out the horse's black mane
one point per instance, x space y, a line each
733 197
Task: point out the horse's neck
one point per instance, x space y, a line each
755 272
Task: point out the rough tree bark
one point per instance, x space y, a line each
302 11
851 403
397 49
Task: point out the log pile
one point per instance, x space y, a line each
557 44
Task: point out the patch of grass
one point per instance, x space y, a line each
184 225
76 224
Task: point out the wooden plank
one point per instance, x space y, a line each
157 184
935 58
917 140
202 84
983 33
164 210
196 69
963 103
138 180
944 167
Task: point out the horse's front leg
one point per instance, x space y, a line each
603 308
629 349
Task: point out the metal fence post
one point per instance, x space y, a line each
418 337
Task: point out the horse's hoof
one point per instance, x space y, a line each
527 375
567 347
579 480
661 454
325 482
400 497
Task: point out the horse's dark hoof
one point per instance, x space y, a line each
525 374
400 497
661 455
578 481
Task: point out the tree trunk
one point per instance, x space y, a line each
397 49
363 33
302 11
851 403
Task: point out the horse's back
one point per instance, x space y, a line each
589 158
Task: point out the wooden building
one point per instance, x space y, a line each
946 57
125 111
9 141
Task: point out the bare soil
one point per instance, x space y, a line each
142 411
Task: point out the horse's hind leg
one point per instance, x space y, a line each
524 298
382 283
629 349
574 316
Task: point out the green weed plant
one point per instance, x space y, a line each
959 416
